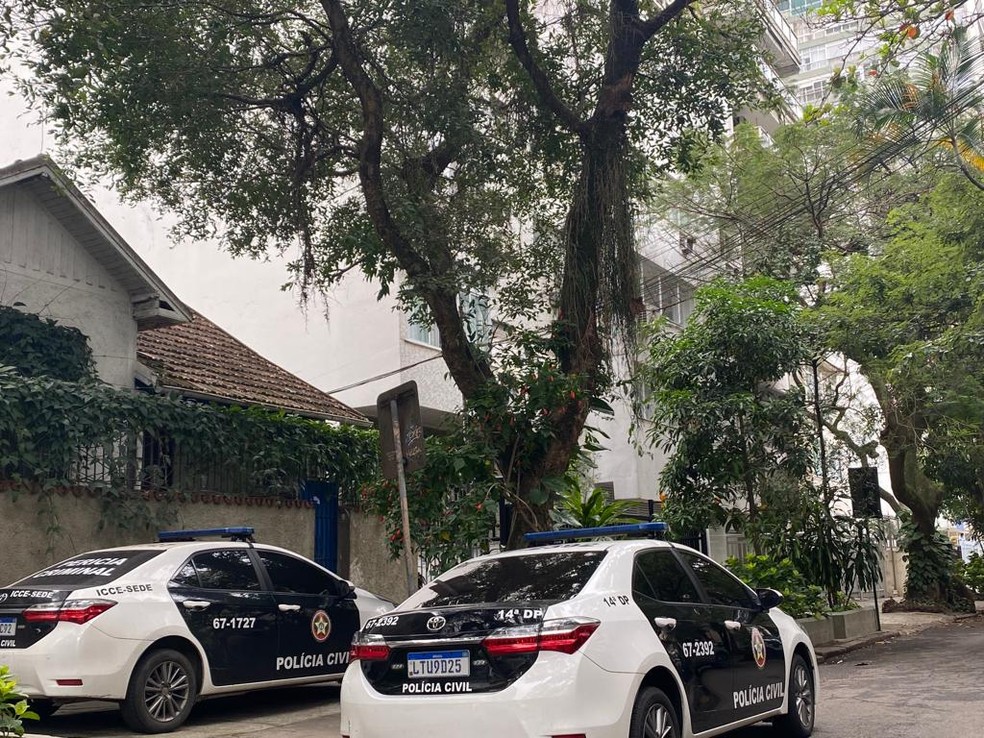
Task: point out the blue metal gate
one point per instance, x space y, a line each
325 498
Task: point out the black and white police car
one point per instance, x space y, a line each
599 639
156 626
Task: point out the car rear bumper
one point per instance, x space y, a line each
72 652
560 694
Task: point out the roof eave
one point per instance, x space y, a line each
43 167
362 421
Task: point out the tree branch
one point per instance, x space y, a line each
544 89
671 12
469 368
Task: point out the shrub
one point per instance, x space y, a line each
13 707
973 574
800 599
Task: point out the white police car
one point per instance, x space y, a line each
601 639
155 626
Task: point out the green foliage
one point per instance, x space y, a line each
492 452
592 510
935 105
931 577
911 317
453 501
836 552
973 574
37 346
800 599
45 424
734 441
14 709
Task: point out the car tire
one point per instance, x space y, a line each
799 718
44 709
654 716
161 693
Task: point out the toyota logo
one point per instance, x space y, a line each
436 623
3 596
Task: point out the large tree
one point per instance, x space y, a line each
474 147
910 316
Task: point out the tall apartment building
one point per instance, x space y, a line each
827 45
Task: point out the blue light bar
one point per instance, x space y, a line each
241 532
638 529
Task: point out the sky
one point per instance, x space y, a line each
243 296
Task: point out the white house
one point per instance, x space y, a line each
59 258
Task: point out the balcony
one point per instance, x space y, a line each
779 39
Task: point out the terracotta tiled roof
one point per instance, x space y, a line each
200 359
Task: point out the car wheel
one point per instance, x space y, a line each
44 709
798 720
161 692
654 716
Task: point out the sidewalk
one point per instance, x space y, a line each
893 625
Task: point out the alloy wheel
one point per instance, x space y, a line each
803 695
659 723
167 691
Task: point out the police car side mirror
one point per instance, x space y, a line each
348 591
768 598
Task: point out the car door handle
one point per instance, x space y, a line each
196 605
288 608
732 625
665 623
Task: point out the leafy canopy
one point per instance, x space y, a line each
735 440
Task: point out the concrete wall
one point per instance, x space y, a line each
820 631
854 623
24 519
364 556
43 267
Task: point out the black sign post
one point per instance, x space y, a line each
866 500
401 441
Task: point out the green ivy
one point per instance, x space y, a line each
45 424
800 599
37 346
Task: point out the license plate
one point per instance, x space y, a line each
8 626
437 664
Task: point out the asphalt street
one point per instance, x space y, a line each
920 686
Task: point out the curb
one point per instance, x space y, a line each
840 648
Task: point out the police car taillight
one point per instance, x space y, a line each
368 647
565 635
70 611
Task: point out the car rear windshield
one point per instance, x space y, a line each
541 577
89 569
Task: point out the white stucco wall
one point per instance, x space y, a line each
46 270
363 341
367 338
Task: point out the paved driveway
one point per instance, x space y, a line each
300 712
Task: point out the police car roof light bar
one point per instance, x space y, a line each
646 530
240 533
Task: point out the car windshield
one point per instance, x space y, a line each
534 577
89 569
